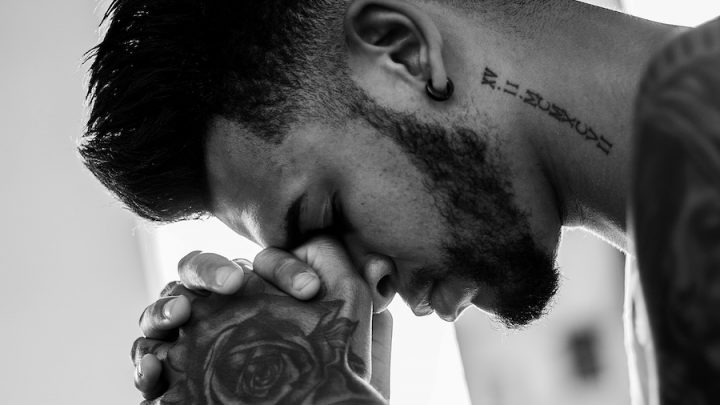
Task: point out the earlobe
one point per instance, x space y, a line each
397 36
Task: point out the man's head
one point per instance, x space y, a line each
289 118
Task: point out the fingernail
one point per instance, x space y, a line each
228 279
168 308
302 280
222 275
244 263
140 366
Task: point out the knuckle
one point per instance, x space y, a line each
287 267
172 288
147 312
156 310
244 263
141 347
137 344
207 263
348 286
352 289
265 256
201 268
152 317
188 258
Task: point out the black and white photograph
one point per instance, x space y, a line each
360 202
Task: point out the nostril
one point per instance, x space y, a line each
385 287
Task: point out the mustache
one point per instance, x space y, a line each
421 278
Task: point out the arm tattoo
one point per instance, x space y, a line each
492 80
266 349
676 210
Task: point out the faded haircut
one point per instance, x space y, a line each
164 68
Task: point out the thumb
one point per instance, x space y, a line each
331 262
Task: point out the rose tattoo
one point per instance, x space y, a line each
268 350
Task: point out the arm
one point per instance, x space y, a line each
676 213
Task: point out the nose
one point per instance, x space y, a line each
378 272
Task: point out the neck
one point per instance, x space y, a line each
567 86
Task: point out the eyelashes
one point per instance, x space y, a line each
336 224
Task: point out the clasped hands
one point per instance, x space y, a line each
292 327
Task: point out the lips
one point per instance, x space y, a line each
444 307
420 303
448 297
449 302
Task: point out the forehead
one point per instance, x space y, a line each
253 184
245 176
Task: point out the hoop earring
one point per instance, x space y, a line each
440 96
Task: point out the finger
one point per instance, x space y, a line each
333 266
161 319
382 325
143 346
211 272
287 272
148 369
178 288
172 288
329 260
253 283
148 377
343 282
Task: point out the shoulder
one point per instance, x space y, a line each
676 211
693 47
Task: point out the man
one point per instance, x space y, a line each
444 143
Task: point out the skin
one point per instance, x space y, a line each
676 219
560 173
556 178
258 346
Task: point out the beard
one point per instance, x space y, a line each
490 243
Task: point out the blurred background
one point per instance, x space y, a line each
78 269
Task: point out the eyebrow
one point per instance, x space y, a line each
293 237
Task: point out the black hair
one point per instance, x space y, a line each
165 67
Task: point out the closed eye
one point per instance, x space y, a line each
337 223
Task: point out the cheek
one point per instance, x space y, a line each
386 201
396 221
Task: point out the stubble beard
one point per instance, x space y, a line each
490 245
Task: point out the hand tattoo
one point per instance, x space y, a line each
266 349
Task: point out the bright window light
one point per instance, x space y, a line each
688 12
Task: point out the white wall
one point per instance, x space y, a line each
72 285
685 12
537 366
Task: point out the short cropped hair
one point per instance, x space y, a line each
165 67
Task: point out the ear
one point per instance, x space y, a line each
396 38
